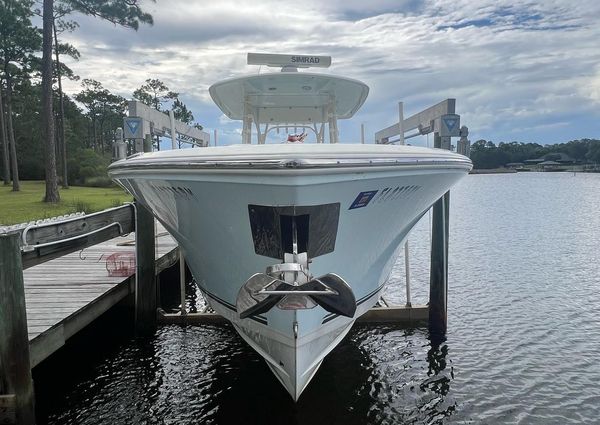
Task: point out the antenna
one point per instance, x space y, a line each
289 61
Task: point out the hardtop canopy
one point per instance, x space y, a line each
289 97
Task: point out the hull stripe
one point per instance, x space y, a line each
362 300
259 319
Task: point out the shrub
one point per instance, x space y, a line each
87 163
99 181
82 206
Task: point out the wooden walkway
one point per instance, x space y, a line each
65 294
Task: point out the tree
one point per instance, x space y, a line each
52 194
182 113
154 93
60 25
593 154
126 13
18 40
4 136
103 108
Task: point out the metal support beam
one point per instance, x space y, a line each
401 122
421 120
15 367
362 134
173 130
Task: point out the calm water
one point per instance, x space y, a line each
523 344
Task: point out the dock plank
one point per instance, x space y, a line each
65 294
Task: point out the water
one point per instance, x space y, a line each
522 346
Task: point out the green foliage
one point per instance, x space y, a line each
82 206
593 153
105 112
86 164
99 181
126 13
154 93
18 38
485 154
181 112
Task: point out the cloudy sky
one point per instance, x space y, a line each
520 70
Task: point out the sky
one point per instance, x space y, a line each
526 71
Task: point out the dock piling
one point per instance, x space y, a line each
146 296
145 278
15 368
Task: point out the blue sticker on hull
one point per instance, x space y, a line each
363 199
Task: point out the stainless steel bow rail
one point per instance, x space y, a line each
23 345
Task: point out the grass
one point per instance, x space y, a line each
27 205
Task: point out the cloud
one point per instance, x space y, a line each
512 66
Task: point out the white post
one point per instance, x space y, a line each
173 131
215 132
362 134
401 121
182 281
331 129
407 268
121 150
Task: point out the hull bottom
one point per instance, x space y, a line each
296 376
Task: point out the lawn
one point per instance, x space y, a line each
27 205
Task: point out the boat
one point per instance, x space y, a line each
291 242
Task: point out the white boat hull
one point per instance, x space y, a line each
207 211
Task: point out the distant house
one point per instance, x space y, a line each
561 158
514 165
556 157
549 166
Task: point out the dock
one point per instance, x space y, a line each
64 295
55 279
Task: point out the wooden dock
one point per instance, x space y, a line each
64 295
54 281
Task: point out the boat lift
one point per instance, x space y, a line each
145 122
441 120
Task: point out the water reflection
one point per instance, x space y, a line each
208 374
102 373
190 374
438 403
